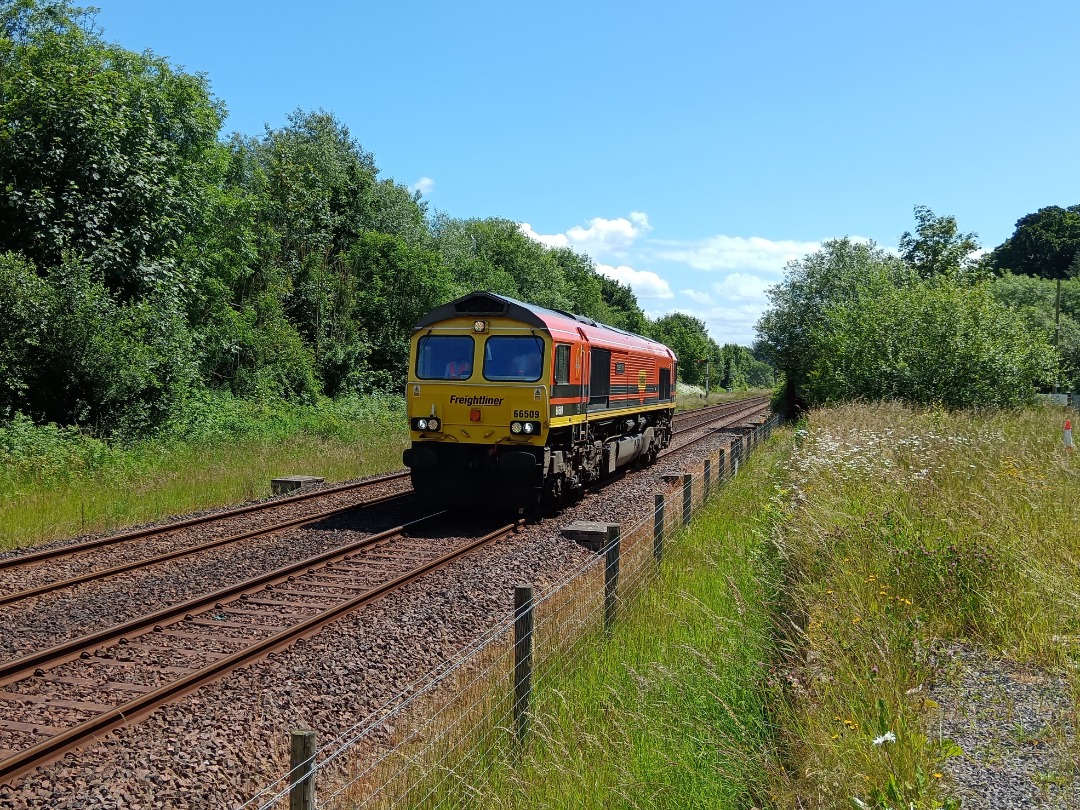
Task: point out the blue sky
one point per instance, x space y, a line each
690 148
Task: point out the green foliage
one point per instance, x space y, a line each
75 354
1034 298
101 149
1045 244
686 336
395 284
937 248
798 306
852 322
115 367
931 341
24 302
142 260
49 453
619 307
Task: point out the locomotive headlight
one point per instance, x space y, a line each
421 424
433 424
529 427
515 427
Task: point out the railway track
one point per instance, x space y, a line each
22 558
698 424
57 699
81 567
60 698
43 572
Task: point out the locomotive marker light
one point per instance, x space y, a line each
479 327
515 427
433 424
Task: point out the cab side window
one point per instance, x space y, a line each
562 364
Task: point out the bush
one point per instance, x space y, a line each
933 341
852 322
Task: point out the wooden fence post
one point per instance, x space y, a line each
658 527
523 649
707 481
302 770
611 577
687 497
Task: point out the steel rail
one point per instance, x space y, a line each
63 551
49 587
19 668
728 420
47 750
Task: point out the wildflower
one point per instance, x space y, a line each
856 620
888 736
937 774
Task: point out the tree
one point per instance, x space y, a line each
798 313
940 340
1034 299
396 284
1045 244
621 307
687 337
102 151
851 322
937 248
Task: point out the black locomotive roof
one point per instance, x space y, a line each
488 304
483 304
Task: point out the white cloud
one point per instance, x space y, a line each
729 323
644 283
736 252
742 287
425 185
551 240
603 237
698 297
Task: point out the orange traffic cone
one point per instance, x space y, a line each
1067 438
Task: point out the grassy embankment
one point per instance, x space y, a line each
57 483
693 396
777 662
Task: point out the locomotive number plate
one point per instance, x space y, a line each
526 414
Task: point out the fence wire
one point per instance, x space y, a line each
462 714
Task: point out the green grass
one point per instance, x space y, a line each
906 527
58 482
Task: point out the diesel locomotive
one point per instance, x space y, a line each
512 405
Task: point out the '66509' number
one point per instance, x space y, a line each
526 414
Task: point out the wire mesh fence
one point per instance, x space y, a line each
452 728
